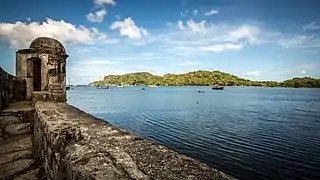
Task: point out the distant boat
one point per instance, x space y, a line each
200 91
68 87
121 86
153 86
104 87
143 89
217 87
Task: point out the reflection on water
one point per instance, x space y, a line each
250 133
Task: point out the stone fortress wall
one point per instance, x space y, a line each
12 88
63 142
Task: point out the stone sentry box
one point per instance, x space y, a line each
43 66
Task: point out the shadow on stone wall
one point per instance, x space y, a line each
12 88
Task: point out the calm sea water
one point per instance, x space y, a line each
248 132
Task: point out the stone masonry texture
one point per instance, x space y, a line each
12 89
75 145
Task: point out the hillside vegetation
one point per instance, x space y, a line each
200 78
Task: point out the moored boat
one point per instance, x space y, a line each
104 87
217 88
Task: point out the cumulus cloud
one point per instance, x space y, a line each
20 34
212 12
197 38
192 25
252 73
222 47
127 27
197 27
245 33
96 16
312 26
103 2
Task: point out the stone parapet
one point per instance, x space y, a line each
12 89
75 145
48 96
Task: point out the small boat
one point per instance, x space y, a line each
143 89
68 87
200 91
217 88
121 86
104 87
153 86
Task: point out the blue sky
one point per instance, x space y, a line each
254 39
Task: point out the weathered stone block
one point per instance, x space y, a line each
12 168
79 146
31 175
17 129
16 144
24 154
7 120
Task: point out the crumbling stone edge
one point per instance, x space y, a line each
73 144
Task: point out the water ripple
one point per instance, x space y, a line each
251 133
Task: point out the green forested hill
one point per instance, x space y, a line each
200 78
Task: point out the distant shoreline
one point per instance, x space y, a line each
203 86
201 78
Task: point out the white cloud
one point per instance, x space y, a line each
252 73
298 69
197 27
103 2
195 11
20 34
299 41
96 16
127 27
311 26
193 26
184 14
222 47
245 33
212 12
185 38
180 25
117 17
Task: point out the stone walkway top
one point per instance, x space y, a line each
22 106
98 150
17 160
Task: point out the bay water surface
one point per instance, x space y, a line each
247 132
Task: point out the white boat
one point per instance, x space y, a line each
153 86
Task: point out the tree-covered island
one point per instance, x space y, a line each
200 78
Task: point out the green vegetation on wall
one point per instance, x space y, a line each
200 78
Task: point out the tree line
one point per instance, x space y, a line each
200 78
